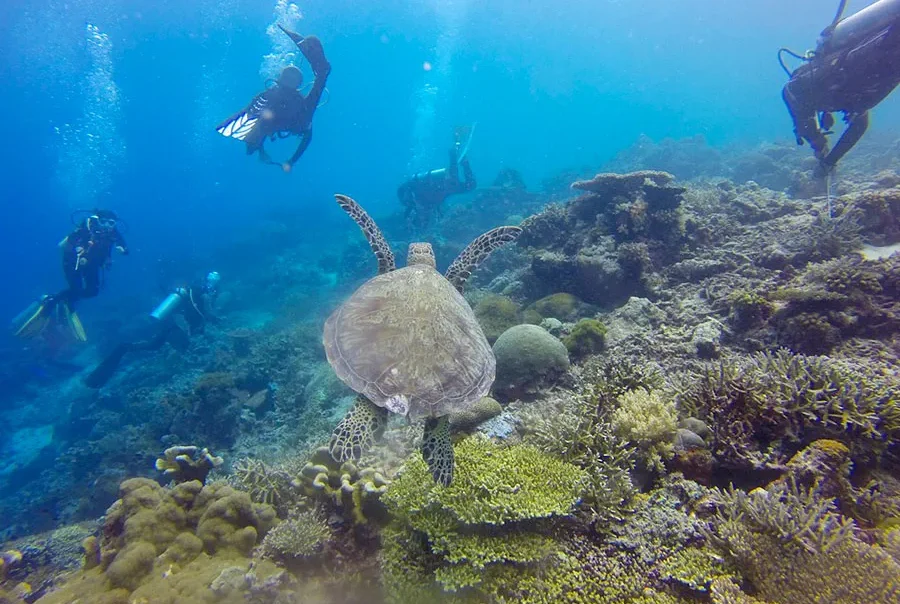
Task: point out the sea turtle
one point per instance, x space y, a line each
408 342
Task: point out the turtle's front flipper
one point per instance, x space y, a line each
438 450
358 431
371 231
476 252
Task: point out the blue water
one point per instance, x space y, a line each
551 85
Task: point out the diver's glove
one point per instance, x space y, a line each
121 249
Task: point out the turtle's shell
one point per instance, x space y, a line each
409 342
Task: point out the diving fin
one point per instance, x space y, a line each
101 374
237 126
34 319
463 135
71 320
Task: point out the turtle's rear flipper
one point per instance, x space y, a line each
438 450
358 431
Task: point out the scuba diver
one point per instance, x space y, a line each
855 66
193 303
86 252
282 110
424 193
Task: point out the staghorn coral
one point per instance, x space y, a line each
769 406
647 418
462 536
356 492
300 536
794 548
185 463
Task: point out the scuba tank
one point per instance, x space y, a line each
169 305
857 26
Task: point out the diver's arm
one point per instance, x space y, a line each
856 127
120 243
805 126
305 139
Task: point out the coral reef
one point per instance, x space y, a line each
767 408
647 418
475 415
184 463
587 337
528 359
794 547
355 492
162 543
494 518
300 536
496 314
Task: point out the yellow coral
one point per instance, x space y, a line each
647 419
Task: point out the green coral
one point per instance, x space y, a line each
647 419
471 418
748 309
796 399
356 492
562 306
786 543
587 337
463 533
496 314
695 568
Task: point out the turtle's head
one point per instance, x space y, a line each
420 253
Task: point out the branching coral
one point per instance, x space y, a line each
795 548
647 418
272 484
300 536
796 399
467 532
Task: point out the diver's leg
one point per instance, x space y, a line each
469 184
91 280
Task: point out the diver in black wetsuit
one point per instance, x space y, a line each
424 194
86 252
194 303
856 65
282 110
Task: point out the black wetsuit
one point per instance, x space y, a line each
86 253
850 80
284 111
425 193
